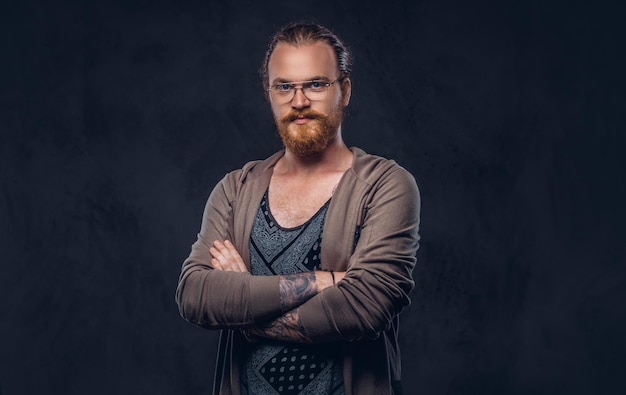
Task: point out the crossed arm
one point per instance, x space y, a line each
219 293
295 289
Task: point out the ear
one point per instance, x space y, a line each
346 90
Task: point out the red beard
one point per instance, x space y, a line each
312 138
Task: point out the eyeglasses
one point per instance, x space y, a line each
284 92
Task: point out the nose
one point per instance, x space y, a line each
299 100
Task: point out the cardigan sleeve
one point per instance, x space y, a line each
218 299
379 277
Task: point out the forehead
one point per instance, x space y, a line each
303 62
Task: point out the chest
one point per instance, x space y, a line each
292 203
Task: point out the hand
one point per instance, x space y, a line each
226 257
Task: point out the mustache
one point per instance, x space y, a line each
307 113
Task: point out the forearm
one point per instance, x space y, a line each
287 327
295 289
221 300
208 293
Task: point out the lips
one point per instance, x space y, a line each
302 120
302 117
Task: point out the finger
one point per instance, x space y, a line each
235 254
220 260
231 258
228 257
215 264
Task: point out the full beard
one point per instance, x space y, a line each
312 138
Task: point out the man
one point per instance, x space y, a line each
304 259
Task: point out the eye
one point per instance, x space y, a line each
283 87
317 85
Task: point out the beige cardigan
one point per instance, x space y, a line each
371 230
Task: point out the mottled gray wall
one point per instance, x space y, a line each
117 118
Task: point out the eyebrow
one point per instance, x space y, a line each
285 81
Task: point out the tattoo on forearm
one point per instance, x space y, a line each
296 289
287 327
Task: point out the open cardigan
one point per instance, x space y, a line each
371 231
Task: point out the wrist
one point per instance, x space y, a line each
323 280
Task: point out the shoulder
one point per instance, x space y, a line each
249 171
376 170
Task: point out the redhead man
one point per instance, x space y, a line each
304 260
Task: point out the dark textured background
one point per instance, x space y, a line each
118 118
